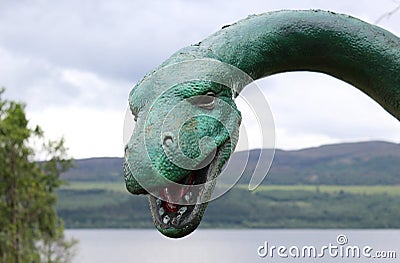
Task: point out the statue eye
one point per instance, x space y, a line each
206 101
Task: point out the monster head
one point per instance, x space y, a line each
187 126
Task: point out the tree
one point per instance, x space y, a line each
30 230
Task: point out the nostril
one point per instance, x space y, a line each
168 140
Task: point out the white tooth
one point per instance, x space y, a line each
182 210
179 217
161 211
158 202
166 219
187 196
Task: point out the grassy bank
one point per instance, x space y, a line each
353 189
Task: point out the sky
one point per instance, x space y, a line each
74 63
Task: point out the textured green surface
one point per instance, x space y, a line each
361 54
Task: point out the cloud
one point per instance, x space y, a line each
96 91
44 85
33 80
88 132
307 105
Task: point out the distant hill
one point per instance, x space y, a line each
96 169
363 163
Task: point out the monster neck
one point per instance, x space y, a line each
358 53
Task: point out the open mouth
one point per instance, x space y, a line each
175 207
178 210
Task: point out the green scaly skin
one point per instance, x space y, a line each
364 55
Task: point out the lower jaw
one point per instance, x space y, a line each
182 229
179 232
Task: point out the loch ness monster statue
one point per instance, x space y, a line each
165 148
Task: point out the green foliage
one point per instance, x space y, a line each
352 185
275 206
30 230
103 208
304 209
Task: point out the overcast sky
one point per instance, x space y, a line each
74 63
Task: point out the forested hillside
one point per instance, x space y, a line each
355 185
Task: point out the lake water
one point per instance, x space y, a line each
134 245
